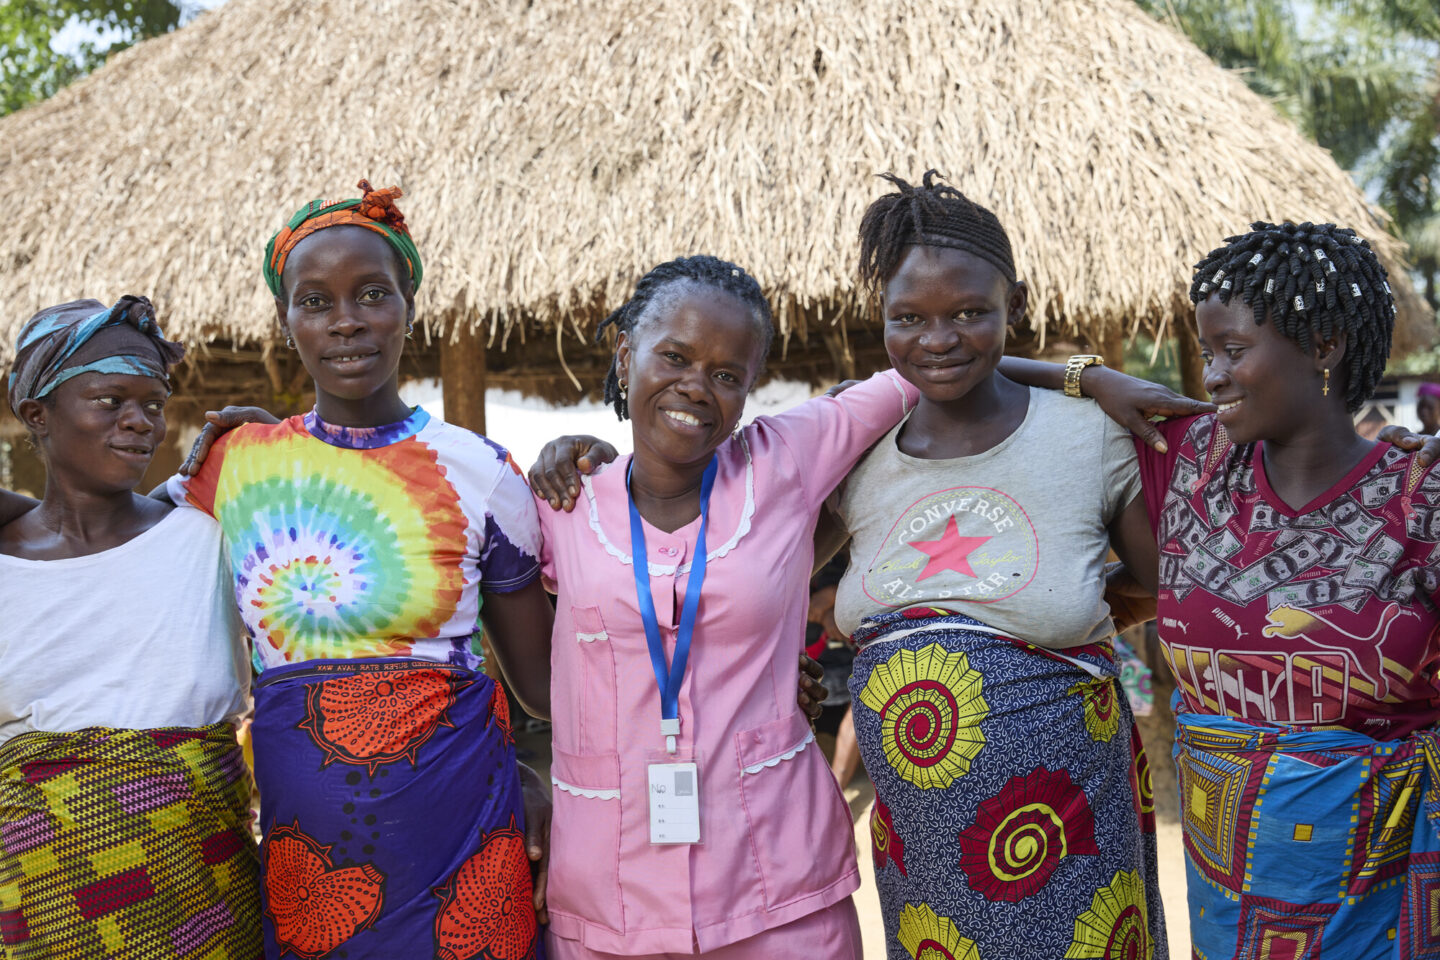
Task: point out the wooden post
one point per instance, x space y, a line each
1112 346
1187 355
462 379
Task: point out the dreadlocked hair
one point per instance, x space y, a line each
700 270
1312 281
934 215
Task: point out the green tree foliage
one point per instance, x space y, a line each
30 69
1361 77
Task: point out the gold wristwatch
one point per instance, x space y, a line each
1074 367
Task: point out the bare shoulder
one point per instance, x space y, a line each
14 505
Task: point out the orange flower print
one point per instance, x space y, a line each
486 908
314 906
373 718
500 711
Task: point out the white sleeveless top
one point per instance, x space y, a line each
140 636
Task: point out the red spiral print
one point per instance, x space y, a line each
1142 788
886 845
314 906
369 719
924 729
1021 834
486 908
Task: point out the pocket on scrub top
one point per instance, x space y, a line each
585 667
799 824
585 839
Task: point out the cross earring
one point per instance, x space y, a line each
1325 390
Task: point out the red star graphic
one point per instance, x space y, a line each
950 552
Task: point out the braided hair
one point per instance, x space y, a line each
934 215
674 277
1311 281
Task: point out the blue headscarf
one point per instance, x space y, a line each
84 336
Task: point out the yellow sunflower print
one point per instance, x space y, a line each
930 707
928 937
1116 925
1102 712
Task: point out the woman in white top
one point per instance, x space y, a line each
124 800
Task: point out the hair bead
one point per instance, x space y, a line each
1275 264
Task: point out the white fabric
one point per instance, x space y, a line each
144 635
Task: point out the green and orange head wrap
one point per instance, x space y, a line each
374 210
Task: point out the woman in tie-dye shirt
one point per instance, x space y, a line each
368 543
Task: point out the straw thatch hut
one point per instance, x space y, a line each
551 151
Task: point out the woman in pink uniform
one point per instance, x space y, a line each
675 828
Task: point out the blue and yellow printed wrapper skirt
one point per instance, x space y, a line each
392 812
1313 844
1013 812
127 844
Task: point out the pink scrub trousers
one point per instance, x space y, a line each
833 932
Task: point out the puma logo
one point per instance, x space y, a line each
1292 623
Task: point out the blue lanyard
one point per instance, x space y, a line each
669 680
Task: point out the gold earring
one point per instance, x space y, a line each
624 391
1325 390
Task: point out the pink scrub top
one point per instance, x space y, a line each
775 831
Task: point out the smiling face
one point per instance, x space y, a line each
99 431
689 364
1266 387
946 312
347 304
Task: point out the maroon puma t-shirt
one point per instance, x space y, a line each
1328 615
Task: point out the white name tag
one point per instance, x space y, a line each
674 803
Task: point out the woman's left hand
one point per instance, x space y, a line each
218 422
555 475
1130 603
812 692
1131 402
535 794
1428 446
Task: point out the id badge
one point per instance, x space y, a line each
674 803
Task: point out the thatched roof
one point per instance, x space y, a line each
551 151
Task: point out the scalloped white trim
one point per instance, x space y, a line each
591 637
582 792
788 754
670 569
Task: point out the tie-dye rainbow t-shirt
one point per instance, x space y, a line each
373 542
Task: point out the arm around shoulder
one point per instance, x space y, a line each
827 435
13 506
